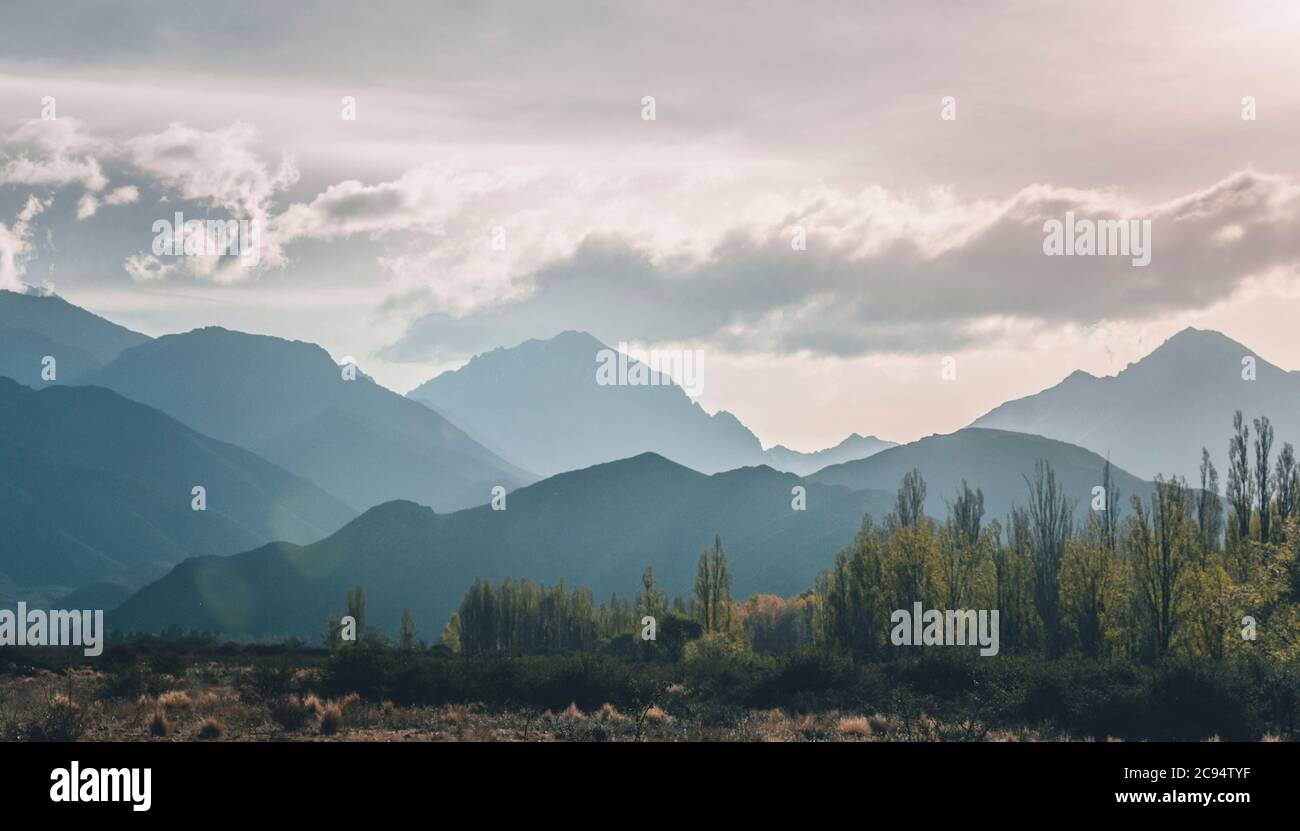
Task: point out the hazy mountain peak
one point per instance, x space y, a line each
56 319
854 446
1155 415
289 401
541 404
1192 343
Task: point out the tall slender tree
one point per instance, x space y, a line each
910 506
1051 518
1287 479
1264 476
1160 542
1241 488
407 639
1209 510
1110 513
713 588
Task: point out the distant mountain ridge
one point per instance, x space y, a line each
803 464
289 402
539 404
35 327
97 488
1157 414
62 322
598 527
996 461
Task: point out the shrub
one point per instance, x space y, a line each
856 727
573 713
1193 701
719 667
211 729
265 682
608 712
175 699
805 676
313 704
62 721
331 719
290 713
131 681
159 725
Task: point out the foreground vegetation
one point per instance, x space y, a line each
199 689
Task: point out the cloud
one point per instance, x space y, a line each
125 195
422 199
146 268
886 274
218 169
676 253
15 245
89 205
54 153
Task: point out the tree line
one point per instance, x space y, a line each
1172 574
1185 571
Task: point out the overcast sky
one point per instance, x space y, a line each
924 235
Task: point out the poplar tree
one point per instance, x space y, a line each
1263 475
1241 489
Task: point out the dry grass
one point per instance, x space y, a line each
211 729
331 719
205 704
175 700
573 712
854 727
159 725
313 704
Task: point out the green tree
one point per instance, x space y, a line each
1013 581
1209 510
1089 580
713 589
963 548
407 640
450 637
1241 488
1160 544
910 504
356 609
1264 476
1051 518
652 600
1287 478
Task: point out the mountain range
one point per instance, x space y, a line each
290 403
540 405
997 462
99 466
1156 415
34 328
598 527
802 464
99 489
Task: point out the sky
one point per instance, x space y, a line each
502 180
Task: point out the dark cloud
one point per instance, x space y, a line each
755 294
